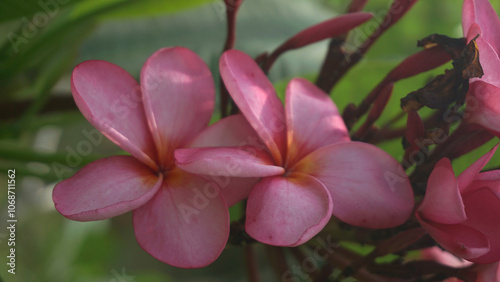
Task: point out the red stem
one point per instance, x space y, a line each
338 63
278 261
252 268
231 11
335 52
464 139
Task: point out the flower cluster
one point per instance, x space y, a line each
479 19
295 164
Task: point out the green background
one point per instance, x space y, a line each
35 66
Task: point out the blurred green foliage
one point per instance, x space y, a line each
40 43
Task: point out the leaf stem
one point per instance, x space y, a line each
251 261
232 7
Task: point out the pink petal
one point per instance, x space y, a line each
186 224
324 30
287 211
111 100
106 188
458 239
490 62
419 62
493 185
444 257
481 12
313 120
230 131
490 179
489 272
483 105
468 175
179 98
491 175
442 201
369 188
483 212
233 189
245 161
256 98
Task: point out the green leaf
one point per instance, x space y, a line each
357 248
12 151
32 11
236 212
137 9
33 54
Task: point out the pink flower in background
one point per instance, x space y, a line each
444 257
308 165
479 18
462 213
488 272
179 218
485 272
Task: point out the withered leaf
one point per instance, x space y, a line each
469 61
452 86
452 46
438 93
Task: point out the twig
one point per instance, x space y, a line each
251 261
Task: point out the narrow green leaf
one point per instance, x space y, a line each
32 11
137 9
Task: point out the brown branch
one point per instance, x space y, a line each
251 261
232 7
13 110
338 62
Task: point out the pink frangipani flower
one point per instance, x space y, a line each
179 218
479 18
484 272
462 213
444 257
308 165
488 272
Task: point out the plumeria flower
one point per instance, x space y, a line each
308 165
479 18
462 213
179 218
488 272
444 257
484 272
